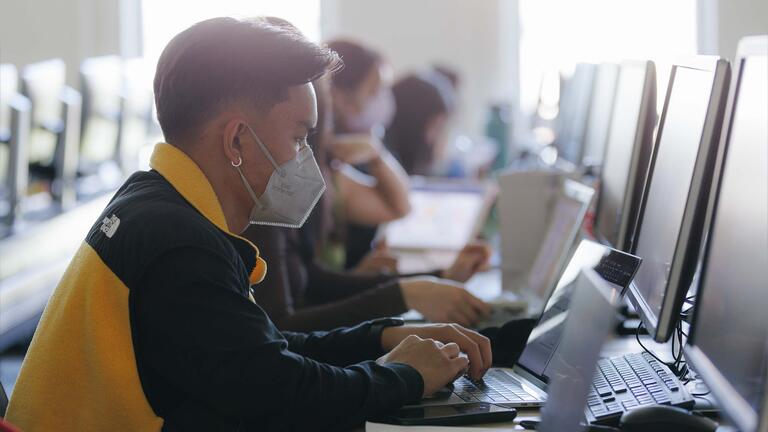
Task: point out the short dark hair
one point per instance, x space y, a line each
358 62
225 60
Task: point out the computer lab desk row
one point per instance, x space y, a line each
618 346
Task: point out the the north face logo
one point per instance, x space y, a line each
109 225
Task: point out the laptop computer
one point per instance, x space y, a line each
525 384
590 323
445 215
526 294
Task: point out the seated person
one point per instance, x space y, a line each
154 327
363 106
301 294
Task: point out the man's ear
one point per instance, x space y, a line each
231 140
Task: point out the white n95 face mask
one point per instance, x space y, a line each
291 193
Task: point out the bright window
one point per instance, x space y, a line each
557 34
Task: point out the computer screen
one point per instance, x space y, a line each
600 110
442 217
730 331
674 203
567 218
627 152
615 267
574 107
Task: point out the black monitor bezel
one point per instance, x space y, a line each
729 400
688 245
642 148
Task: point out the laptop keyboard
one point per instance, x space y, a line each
627 382
496 386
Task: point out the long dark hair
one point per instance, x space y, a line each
419 98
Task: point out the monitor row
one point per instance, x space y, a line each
58 144
693 204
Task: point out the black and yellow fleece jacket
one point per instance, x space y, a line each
153 327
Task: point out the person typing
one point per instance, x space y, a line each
154 326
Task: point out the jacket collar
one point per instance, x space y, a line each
190 181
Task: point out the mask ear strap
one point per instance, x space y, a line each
245 182
265 151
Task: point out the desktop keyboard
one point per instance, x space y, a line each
496 386
627 382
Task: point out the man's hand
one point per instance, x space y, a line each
476 346
439 364
378 260
472 258
441 300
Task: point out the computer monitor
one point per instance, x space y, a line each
43 83
55 134
627 154
600 114
728 344
102 84
575 99
674 203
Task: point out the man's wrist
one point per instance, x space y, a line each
379 325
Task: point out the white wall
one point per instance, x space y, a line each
34 30
474 37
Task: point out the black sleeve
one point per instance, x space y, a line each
197 336
340 347
383 301
325 285
349 299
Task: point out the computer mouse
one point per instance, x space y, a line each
662 418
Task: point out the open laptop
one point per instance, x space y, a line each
445 215
525 384
590 323
526 294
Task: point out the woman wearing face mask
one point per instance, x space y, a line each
298 293
372 186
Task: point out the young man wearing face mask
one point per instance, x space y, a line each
154 327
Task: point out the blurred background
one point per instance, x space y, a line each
76 84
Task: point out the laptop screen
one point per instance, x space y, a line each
559 237
616 267
441 218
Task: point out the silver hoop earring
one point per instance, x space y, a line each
239 162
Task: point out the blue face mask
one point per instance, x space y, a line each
291 193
